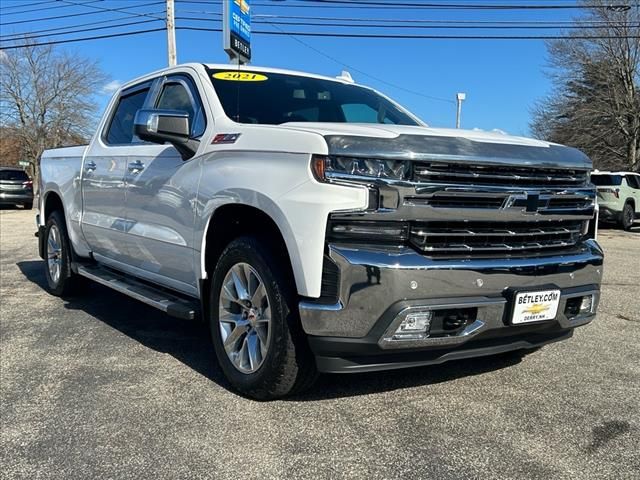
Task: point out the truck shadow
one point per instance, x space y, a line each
189 342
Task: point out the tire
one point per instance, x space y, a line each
269 355
28 205
627 216
60 278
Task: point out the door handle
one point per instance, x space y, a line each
90 166
136 167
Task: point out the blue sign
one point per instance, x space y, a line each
237 29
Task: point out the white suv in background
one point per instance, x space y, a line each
618 196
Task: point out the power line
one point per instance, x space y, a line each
402 20
432 5
344 35
22 5
431 26
81 14
45 8
103 9
82 30
425 37
370 5
18 35
557 23
71 40
361 72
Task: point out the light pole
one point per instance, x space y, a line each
460 97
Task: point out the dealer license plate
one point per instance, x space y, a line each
535 306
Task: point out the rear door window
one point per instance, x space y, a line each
120 130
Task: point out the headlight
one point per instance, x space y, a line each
367 231
325 168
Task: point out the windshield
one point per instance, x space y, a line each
275 98
607 180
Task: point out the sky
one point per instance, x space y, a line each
502 78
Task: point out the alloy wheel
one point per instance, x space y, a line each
54 253
244 315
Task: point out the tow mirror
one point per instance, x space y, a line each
162 126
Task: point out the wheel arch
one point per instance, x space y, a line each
632 202
234 219
51 202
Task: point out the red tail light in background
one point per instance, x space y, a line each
28 183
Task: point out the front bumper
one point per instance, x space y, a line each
375 285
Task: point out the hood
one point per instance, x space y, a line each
416 143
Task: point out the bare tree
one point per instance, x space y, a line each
595 104
46 98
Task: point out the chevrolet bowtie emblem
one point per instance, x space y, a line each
537 308
529 202
533 201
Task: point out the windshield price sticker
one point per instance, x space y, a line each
240 76
535 306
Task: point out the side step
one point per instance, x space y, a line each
172 304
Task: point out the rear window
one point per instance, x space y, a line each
13 175
275 98
608 180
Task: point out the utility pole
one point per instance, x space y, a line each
171 33
460 97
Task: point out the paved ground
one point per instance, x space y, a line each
104 387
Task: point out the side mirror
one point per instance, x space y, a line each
161 126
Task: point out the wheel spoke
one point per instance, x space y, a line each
233 338
253 350
228 317
252 281
262 333
243 356
227 292
241 289
258 296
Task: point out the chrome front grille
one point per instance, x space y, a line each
473 174
494 237
545 204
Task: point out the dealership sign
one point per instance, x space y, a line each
237 29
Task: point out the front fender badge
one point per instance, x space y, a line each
225 138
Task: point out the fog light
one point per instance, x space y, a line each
415 326
586 305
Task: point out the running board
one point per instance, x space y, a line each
170 303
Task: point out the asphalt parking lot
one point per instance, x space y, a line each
101 386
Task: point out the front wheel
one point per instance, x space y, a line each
254 323
626 220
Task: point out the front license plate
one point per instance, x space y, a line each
535 306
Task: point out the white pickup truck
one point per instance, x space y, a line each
316 225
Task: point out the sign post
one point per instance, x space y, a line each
236 30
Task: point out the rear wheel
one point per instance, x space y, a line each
61 279
254 323
627 216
